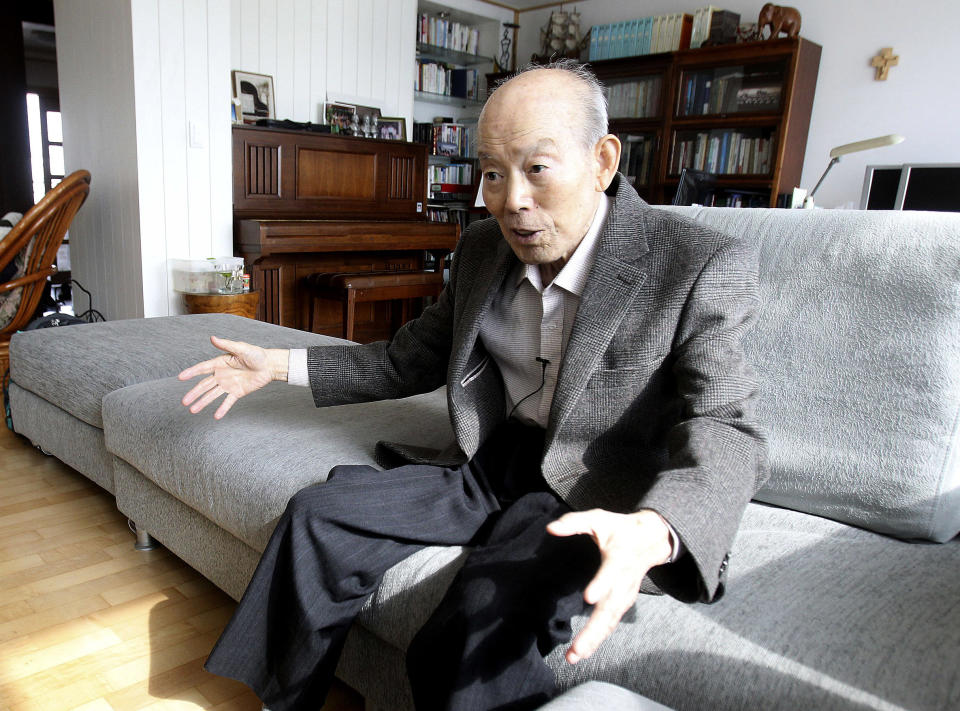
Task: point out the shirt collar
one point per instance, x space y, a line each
573 276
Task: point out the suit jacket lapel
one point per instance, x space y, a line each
617 275
481 287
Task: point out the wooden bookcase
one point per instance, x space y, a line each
755 116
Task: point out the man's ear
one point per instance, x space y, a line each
607 153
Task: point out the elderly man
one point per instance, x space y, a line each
591 350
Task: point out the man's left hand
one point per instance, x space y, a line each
630 544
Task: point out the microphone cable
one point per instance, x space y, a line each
543 381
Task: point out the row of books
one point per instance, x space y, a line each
635 99
446 139
723 151
704 93
712 23
442 214
647 35
636 158
440 32
439 78
455 173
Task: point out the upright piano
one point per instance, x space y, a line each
308 202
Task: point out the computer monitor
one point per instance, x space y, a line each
929 186
880 184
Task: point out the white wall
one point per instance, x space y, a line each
95 68
919 99
359 51
135 77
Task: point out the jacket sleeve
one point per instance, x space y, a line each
414 362
717 455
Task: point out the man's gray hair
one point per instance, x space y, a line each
592 96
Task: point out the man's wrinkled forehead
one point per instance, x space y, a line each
544 145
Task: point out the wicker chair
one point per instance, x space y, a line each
35 240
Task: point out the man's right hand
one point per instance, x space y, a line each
242 370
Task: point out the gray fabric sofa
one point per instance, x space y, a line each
845 573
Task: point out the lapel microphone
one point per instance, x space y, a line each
543 381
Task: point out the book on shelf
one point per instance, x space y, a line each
446 139
710 92
712 23
723 151
636 158
446 34
434 77
635 99
456 174
648 35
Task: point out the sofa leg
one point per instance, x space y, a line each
145 542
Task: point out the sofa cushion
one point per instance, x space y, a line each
74 367
240 471
857 349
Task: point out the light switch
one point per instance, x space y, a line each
197 135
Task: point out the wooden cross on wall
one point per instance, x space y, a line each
883 62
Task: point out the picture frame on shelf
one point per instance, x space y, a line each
256 95
364 111
392 128
339 116
236 111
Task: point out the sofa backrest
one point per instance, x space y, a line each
857 350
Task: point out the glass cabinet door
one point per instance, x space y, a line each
638 151
635 98
724 151
731 90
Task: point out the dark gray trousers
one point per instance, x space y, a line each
483 647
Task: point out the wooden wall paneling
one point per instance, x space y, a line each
318 63
219 137
393 81
335 174
196 144
246 40
303 65
267 35
380 60
353 52
283 77
336 44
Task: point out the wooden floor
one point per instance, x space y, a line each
87 622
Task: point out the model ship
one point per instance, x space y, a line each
561 37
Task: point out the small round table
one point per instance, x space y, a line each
242 304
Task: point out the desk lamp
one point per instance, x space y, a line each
855 147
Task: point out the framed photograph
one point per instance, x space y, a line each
339 116
364 111
392 128
255 92
236 111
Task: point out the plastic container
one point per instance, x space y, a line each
215 275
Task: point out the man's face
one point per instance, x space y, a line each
539 181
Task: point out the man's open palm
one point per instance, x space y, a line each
630 544
243 369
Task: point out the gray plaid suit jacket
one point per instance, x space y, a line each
654 405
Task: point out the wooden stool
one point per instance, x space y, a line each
358 287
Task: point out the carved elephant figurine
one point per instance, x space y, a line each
780 19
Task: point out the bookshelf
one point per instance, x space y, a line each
741 111
460 49
452 172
